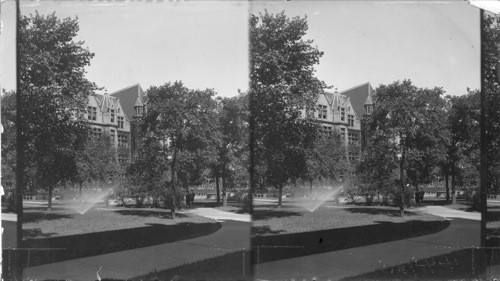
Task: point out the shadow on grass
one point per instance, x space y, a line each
379 211
493 216
259 214
261 230
77 246
233 266
148 213
45 216
278 247
9 235
35 233
465 264
215 205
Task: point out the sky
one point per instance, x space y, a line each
434 44
205 44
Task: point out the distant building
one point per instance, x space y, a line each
362 99
106 115
344 113
132 99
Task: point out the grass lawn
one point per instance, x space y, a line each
292 231
39 223
463 264
63 234
269 220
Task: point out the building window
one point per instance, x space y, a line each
326 130
342 133
122 158
120 122
353 156
322 112
112 135
310 112
350 120
112 116
92 112
96 133
369 109
122 140
342 114
353 139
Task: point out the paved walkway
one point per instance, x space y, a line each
463 232
448 213
233 236
218 215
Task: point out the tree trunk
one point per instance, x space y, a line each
224 195
49 207
172 178
453 195
447 186
217 188
310 189
401 183
280 192
80 186
418 194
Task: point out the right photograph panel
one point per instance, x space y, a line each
366 141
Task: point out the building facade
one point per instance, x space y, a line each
133 102
344 113
106 115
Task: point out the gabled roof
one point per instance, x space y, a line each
358 96
105 102
336 99
128 98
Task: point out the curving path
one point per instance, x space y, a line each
463 232
218 215
233 236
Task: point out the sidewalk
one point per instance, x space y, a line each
218 215
448 213
463 232
233 236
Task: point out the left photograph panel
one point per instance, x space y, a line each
125 139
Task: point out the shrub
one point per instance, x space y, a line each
408 194
351 191
168 196
472 195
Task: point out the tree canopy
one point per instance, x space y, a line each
183 122
52 91
282 84
410 122
491 87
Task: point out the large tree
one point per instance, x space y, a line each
282 84
183 121
232 147
491 87
96 161
462 161
375 173
8 119
413 119
52 91
327 160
